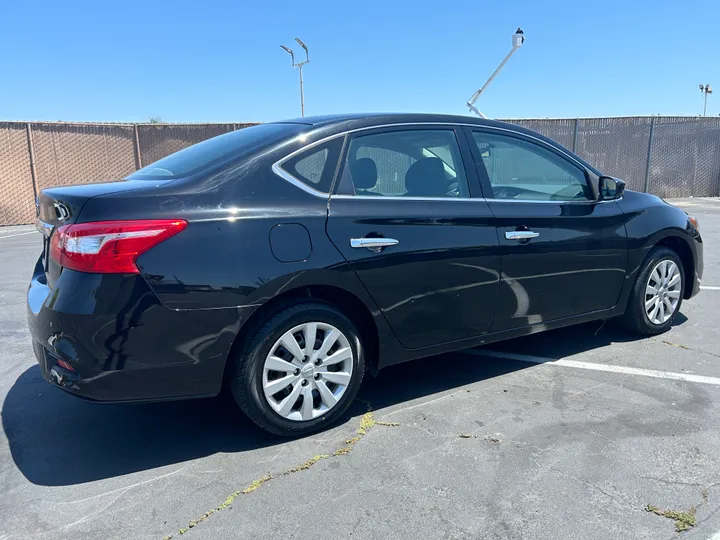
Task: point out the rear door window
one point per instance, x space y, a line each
423 163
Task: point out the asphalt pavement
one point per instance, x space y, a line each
569 434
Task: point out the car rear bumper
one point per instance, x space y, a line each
122 343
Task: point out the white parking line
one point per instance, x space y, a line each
709 288
18 234
596 367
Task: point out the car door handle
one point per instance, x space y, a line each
521 235
373 243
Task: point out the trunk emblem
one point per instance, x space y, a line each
61 211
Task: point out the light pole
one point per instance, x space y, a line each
299 65
518 39
705 89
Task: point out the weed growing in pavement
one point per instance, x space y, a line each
367 422
683 520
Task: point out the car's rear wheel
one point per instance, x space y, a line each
657 295
300 371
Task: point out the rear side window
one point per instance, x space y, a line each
211 152
406 163
315 167
309 168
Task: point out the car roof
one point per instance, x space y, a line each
335 123
369 119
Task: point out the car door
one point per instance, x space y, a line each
563 252
403 218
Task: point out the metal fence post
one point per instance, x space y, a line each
138 157
575 135
649 156
31 154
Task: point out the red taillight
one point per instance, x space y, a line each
109 247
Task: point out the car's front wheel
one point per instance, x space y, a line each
300 371
657 295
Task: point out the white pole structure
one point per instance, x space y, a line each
705 89
299 66
517 40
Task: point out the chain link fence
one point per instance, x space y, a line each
667 156
37 155
17 193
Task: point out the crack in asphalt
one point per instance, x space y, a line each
367 422
569 476
679 346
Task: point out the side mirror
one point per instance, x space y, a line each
610 188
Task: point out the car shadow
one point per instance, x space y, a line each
435 374
57 439
573 339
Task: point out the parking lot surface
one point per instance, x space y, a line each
565 434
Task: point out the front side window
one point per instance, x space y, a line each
409 163
522 170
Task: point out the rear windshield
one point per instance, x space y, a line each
216 150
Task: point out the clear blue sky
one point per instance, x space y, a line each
221 61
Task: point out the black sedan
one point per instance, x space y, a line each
281 262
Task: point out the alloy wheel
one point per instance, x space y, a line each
662 291
307 371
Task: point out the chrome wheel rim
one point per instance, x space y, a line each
307 371
662 292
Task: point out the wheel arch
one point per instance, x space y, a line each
346 301
682 247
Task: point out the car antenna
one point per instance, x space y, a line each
518 39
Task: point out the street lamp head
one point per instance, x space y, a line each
708 89
307 54
288 50
518 38
702 87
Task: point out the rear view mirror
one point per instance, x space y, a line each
610 188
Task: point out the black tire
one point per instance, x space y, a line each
247 370
635 318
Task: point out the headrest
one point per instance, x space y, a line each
426 178
364 173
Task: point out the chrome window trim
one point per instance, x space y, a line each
277 166
282 173
402 198
586 201
541 201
